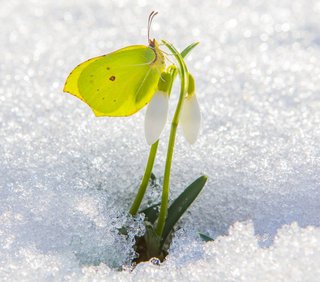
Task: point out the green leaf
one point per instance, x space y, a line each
205 238
181 204
152 241
188 49
151 212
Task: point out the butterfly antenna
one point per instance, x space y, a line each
150 19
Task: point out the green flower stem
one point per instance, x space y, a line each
152 154
174 125
145 180
153 150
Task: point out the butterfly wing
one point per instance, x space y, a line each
119 83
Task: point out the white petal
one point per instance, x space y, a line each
190 119
156 116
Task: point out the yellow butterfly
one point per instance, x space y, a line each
119 83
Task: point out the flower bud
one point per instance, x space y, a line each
190 118
156 116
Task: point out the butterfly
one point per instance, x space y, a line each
119 83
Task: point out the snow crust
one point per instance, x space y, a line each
67 179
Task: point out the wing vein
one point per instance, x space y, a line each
141 84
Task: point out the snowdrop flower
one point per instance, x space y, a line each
157 111
156 116
190 118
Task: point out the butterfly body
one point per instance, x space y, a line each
119 83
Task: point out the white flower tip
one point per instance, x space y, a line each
190 119
156 116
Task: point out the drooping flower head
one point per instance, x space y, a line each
190 118
157 111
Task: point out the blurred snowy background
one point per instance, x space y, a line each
67 178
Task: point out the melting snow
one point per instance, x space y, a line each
67 179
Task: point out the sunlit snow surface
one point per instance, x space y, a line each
67 178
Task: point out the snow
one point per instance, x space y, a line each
67 179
